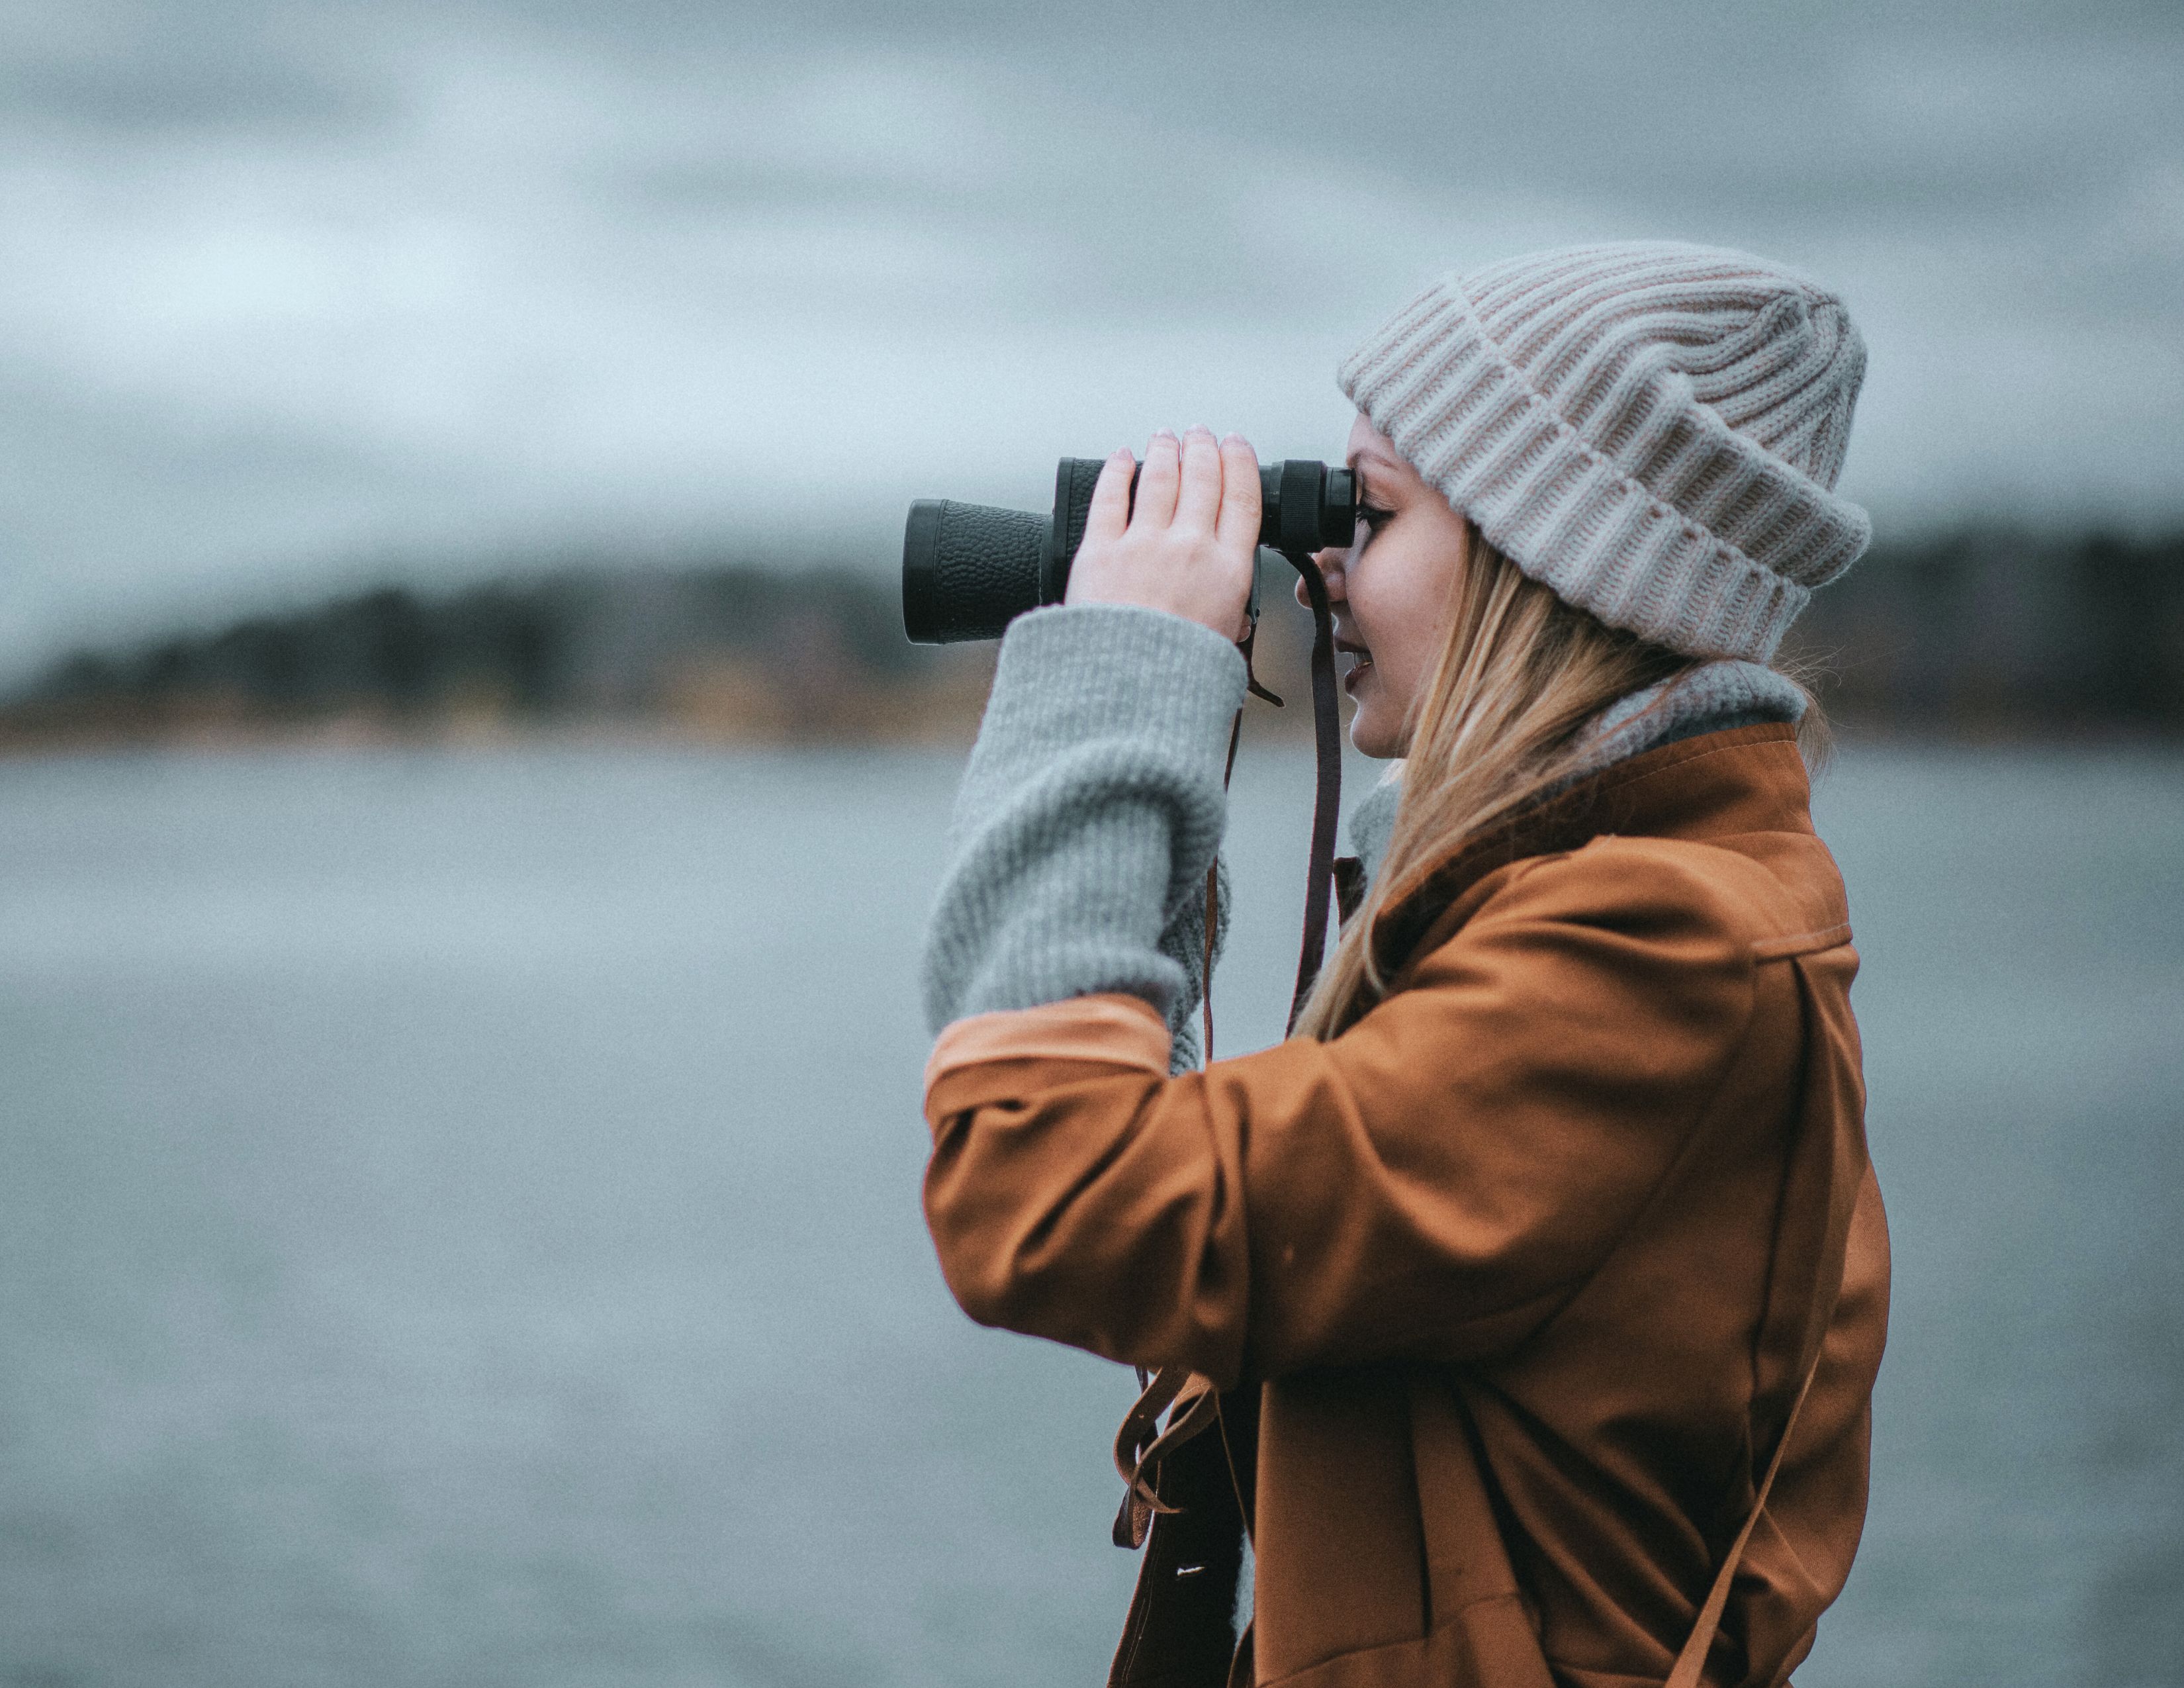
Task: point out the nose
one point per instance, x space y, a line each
1334 564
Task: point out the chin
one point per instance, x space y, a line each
1369 738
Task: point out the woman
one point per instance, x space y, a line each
1532 1294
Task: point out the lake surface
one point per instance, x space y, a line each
459 1225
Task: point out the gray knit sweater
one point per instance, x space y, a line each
1093 806
1089 813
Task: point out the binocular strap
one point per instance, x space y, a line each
1326 804
1327 795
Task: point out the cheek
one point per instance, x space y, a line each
1401 615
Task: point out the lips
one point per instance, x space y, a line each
1361 666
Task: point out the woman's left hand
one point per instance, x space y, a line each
1189 544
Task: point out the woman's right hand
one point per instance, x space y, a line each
1190 543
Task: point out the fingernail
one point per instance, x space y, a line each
1232 438
1163 433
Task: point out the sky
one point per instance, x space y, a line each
295 297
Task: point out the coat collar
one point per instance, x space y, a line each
1718 786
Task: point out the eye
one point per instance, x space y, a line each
1372 518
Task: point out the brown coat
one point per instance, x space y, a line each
1526 1264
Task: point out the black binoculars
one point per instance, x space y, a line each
969 570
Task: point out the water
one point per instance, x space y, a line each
459 1225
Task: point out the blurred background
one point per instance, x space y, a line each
467 812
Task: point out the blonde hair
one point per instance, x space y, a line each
1498 726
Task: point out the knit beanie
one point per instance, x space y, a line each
1652 430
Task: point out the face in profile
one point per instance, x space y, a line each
1393 590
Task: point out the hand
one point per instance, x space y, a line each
1190 543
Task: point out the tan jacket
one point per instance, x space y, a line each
1526 1265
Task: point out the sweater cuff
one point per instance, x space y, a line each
1069 672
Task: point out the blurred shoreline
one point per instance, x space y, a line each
1987 636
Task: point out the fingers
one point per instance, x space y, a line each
1185 543
1159 481
1110 510
1238 525
1198 502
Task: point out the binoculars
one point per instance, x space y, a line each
969 570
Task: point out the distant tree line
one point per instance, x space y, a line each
1972 632
587 643
1997 633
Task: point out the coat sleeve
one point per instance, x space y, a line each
1432 1183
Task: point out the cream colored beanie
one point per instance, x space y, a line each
1652 430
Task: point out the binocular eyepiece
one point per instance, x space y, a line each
969 570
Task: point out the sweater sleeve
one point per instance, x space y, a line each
1091 809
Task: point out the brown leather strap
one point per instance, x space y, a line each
1181 1629
1820 1187
1140 1444
1326 798
1140 1428
1250 676
1206 974
1243 1663
1691 1661
1211 1532
1349 886
1213 880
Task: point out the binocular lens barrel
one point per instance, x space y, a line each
969 570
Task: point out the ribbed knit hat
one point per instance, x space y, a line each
1652 430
